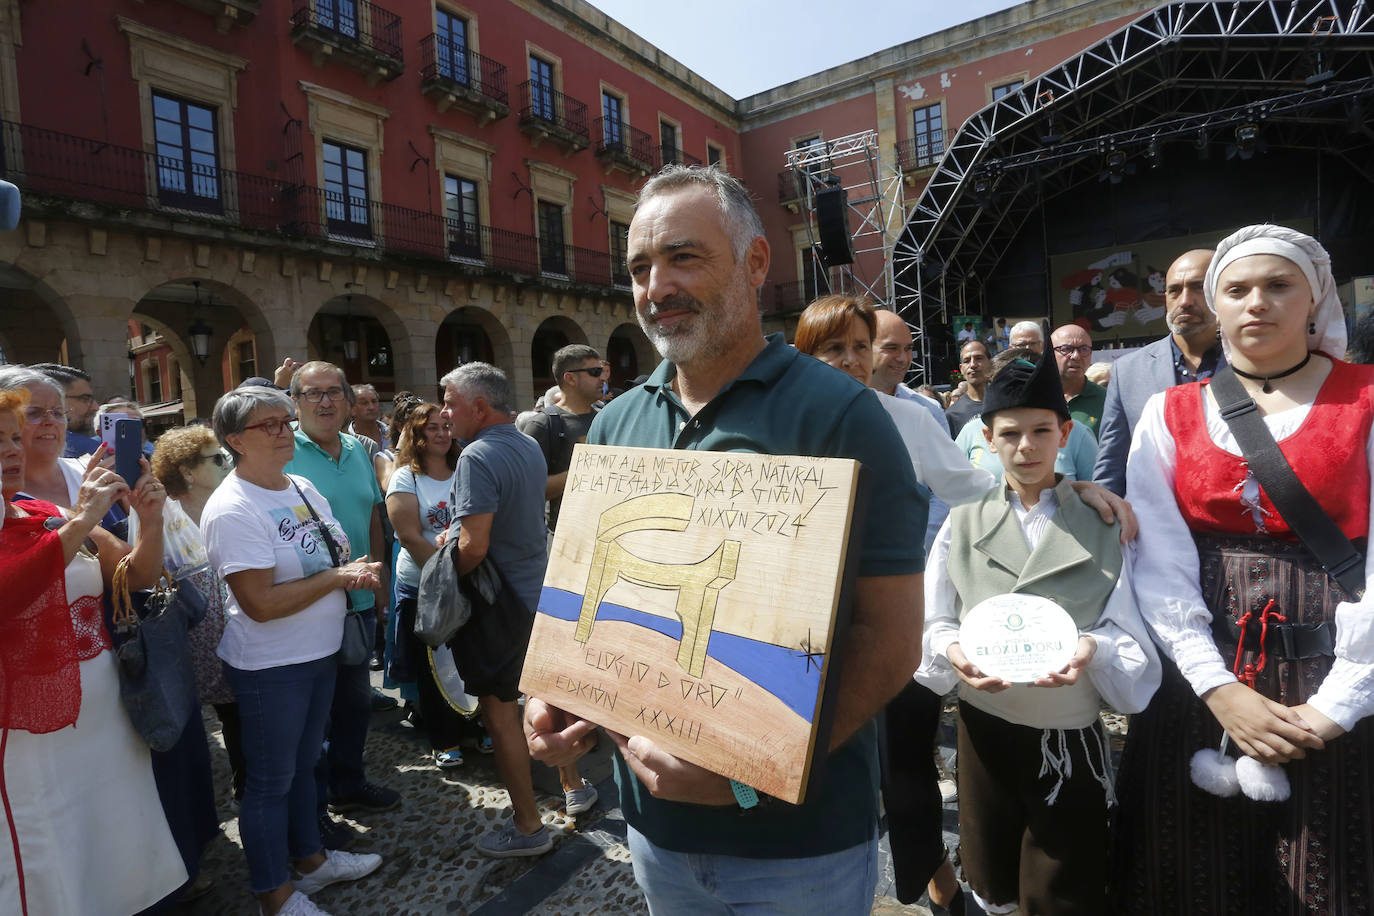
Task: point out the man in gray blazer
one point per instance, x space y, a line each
1190 352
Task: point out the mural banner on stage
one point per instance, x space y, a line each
1117 293
694 598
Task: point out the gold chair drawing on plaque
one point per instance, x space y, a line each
698 584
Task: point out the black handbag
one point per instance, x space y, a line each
157 682
356 647
495 636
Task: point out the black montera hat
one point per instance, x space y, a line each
1022 384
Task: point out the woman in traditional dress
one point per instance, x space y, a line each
1216 556
85 832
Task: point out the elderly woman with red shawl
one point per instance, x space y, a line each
84 830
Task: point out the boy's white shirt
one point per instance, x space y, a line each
1125 669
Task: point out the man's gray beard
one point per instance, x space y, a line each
1189 332
87 429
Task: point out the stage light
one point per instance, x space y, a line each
1247 141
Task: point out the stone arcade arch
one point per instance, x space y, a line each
35 320
551 335
382 343
472 333
173 306
630 354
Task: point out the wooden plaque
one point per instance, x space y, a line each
692 597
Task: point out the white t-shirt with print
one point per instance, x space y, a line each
248 527
434 514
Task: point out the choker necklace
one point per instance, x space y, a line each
1266 387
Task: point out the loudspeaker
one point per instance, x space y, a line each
832 226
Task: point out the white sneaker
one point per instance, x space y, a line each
580 800
299 905
338 866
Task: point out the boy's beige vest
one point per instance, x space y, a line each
1075 565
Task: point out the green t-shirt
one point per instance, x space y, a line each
350 485
1087 406
784 403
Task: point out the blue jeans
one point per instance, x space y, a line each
282 713
704 885
339 771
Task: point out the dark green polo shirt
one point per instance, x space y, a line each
784 403
1087 407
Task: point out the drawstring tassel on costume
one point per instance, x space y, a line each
1215 772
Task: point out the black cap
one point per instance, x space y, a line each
1022 384
257 381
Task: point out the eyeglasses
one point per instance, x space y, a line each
86 398
593 371
218 457
1070 349
272 427
315 395
36 415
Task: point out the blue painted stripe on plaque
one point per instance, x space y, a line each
788 674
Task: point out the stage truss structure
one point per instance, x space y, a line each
1217 75
874 210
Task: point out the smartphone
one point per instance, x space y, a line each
128 448
107 429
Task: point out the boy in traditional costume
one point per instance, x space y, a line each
1034 771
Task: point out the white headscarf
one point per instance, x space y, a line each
1310 257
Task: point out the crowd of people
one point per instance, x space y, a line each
1221 607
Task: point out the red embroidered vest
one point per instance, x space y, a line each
1327 452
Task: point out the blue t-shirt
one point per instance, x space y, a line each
502 473
783 403
350 485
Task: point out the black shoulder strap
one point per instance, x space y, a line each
558 431
1341 559
325 535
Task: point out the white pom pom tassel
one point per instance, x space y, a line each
1261 782
1214 772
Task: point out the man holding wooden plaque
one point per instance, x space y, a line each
701 842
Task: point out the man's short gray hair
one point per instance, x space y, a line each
15 377
1032 327
319 365
481 380
571 357
359 389
741 218
234 408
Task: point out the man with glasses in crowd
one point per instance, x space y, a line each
578 371
1073 350
339 467
82 436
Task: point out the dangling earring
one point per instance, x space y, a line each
1218 332
1311 327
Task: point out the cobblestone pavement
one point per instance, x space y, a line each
427 843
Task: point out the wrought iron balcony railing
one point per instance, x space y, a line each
667 154
790 188
447 61
920 152
57 165
352 22
617 140
545 107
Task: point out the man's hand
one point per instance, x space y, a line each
1068 675
1110 506
1268 731
282 376
971 674
554 736
670 778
